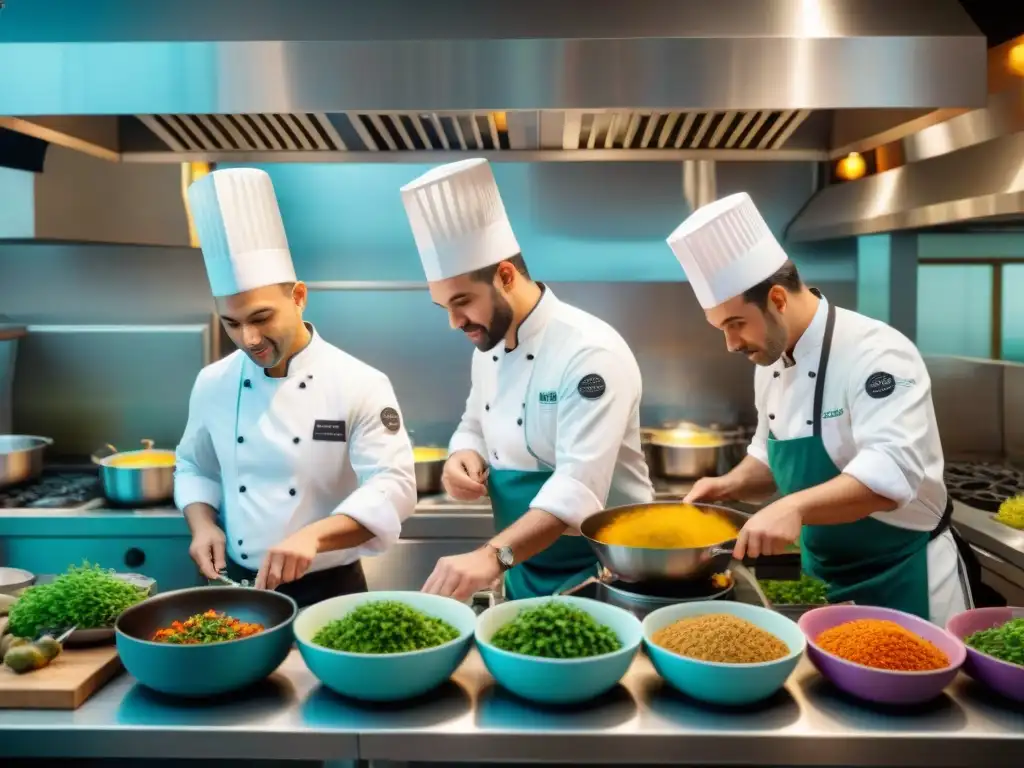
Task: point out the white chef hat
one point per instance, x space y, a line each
240 230
458 219
726 248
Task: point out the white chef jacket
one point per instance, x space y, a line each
568 398
880 430
276 454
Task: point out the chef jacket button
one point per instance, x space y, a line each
295 440
812 374
302 385
519 422
529 357
246 383
487 406
241 439
494 358
239 542
244 556
241 489
776 375
810 423
771 415
309 375
495 454
291 491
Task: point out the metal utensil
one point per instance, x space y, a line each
21 458
635 564
133 485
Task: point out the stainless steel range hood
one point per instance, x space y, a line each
251 80
966 173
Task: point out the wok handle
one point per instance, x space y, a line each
718 551
581 585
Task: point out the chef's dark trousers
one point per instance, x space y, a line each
313 587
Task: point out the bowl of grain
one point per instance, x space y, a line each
723 653
880 654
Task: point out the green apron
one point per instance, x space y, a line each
511 492
867 561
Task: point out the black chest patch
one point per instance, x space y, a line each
331 431
591 386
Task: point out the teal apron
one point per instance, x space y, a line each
511 492
867 561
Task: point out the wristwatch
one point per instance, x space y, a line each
505 557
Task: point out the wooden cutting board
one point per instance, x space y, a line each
68 681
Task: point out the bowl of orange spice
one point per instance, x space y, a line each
880 654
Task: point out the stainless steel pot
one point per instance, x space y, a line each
639 564
135 485
428 477
21 458
669 457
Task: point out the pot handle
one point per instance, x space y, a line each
147 444
97 459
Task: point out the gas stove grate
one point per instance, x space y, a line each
59 490
983 486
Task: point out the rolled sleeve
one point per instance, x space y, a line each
590 433
382 459
893 421
197 477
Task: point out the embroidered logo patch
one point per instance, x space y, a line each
834 413
591 386
880 384
549 398
390 419
331 431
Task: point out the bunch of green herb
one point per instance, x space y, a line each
806 590
86 597
556 630
1005 642
384 626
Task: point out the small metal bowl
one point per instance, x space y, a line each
13 580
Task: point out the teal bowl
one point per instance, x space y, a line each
384 677
714 682
558 681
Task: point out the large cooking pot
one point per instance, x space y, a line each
687 451
641 564
21 458
429 466
133 478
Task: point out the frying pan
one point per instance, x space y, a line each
642 564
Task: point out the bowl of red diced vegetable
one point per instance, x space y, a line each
995 647
205 641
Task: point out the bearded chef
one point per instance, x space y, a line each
551 429
846 429
298 447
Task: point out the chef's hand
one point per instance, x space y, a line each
207 550
288 561
770 531
462 576
464 476
710 489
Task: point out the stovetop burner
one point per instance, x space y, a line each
983 486
54 490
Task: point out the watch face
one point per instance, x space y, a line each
505 557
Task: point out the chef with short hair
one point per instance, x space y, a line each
297 447
846 429
551 428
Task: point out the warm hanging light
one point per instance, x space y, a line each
1015 59
851 167
192 172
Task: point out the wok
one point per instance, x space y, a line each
641 564
215 668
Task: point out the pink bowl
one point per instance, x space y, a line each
1001 676
881 685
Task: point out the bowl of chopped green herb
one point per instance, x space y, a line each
385 646
995 647
558 650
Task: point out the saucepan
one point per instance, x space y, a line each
137 477
641 564
21 458
429 466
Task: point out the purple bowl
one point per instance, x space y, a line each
881 685
1001 676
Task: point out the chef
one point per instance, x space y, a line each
551 428
298 447
846 429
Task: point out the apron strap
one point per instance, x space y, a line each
819 386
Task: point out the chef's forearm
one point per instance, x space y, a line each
530 535
843 499
199 515
338 532
750 479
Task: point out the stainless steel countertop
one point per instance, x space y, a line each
471 719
